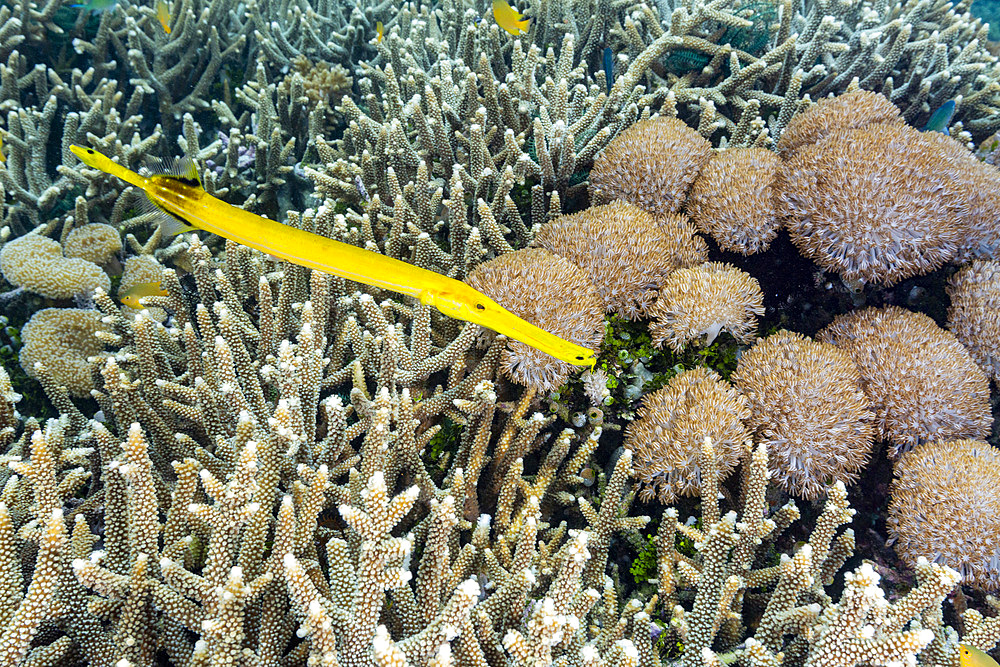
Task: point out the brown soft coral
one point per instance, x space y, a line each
623 250
850 110
651 164
95 243
36 263
322 83
807 406
874 204
62 339
666 438
974 314
698 303
944 506
978 208
733 199
921 382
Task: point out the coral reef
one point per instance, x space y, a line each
957 525
699 303
808 409
921 382
265 465
672 424
974 313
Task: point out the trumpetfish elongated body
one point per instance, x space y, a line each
183 198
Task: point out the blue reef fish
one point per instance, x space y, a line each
941 118
609 68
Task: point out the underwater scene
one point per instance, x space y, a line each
499 333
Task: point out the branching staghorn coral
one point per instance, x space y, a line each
478 118
325 29
40 188
771 55
261 490
800 623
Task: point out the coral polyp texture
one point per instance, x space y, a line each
670 429
36 263
651 164
808 409
871 205
61 341
944 507
93 242
732 200
699 303
561 299
853 109
921 382
139 269
978 209
974 313
624 251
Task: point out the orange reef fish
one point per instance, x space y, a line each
131 297
187 204
378 32
508 18
970 656
163 15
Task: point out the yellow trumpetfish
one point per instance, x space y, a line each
183 198
508 18
970 656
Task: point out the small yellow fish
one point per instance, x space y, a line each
3 158
970 656
378 32
508 18
132 296
184 200
163 14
